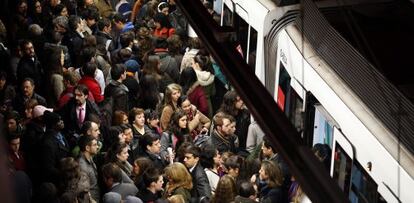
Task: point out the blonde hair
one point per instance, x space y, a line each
168 93
176 199
178 176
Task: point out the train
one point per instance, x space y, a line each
334 89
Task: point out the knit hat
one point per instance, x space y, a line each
38 110
132 65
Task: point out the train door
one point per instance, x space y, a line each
342 161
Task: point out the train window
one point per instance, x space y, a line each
227 17
252 48
363 187
342 168
322 126
288 99
242 34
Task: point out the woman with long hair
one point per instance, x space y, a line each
118 154
198 123
149 95
163 27
119 118
193 89
270 182
140 166
176 134
172 93
226 190
152 67
152 121
179 181
54 72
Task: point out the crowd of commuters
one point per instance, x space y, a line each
112 101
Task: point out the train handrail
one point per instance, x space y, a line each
312 176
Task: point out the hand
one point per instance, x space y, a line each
204 130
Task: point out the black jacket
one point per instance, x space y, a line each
20 100
119 94
201 186
52 151
30 68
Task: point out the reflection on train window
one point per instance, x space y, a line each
363 187
342 168
322 127
227 17
283 87
252 48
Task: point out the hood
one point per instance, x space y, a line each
205 78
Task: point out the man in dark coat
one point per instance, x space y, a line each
54 147
151 147
29 66
116 90
78 110
27 93
201 186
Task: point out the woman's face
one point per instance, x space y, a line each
186 106
182 122
239 103
195 65
154 122
123 155
175 95
165 11
159 183
38 7
125 119
217 159
135 169
139 120
262 174
64 12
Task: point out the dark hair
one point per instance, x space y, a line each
23 43
151 114
113 171
246 189
115 149
28 80
173 126
323 153
85 140
174 44
102 23
53 63
234 161
89 69
58 9
204 62
228 106
163 20
83 89
126 38
187 79
150 175
91 13
194 150
149 94
118 18
134 112
87 54
56 37
86 126
207 156
148 139
266 143
117 71
73 22
181 99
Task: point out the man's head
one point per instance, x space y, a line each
153 179
81 93
89 69
12 121
28 87
104 25
151 143
53 120
222 123
27 48
118 72
91 128
14 140
88 144
111 174
267 149
191 156
118 21
127 133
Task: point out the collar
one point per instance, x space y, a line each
83 106
192 168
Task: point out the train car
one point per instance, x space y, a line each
334 90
